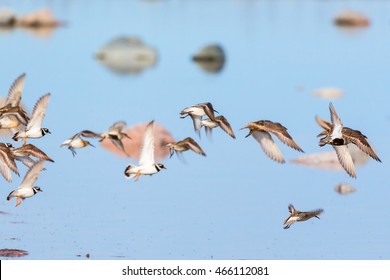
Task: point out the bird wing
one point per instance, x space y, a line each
39 112
323 123
225 126
282 134
6 172
359 139
36 152
8 159
147 149
88 134
334 116
118 143
194 146
118 126
32 175
345 159
15 91
197 123
26 161
268 145
208 109
291 208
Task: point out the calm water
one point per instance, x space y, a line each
232 203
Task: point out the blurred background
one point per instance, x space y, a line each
143 60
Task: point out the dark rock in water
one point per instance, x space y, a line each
12 253
351 19
7 18
211 58
127 55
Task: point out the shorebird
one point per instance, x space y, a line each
298 216
196 113
76 142
185 145
12 114
220 121
338 136
24 153
114 133
260 130
147 164
7 162
26 188
34 127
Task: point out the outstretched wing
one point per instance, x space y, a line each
118 126
268 145
15 91
345 159
32 175
39 112
147 149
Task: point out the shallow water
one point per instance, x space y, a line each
232 203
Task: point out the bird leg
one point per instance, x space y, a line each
24 141
137 175
18 201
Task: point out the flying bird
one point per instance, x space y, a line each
76 142
34 127
219 121
196 113
261 131
298 216
27 188
147 164
185 145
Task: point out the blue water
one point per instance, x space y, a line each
232 203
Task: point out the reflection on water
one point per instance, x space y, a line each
328 93
127 55
210 58
328 160
232 203
344 188
40 23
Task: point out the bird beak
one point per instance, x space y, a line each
250 131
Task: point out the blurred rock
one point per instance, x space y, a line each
133 146
40 23
37 19
323 160
127 55
351 19
328 159
211 58
328 93
7 18
344 188
12 253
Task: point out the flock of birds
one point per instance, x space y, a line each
15 118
